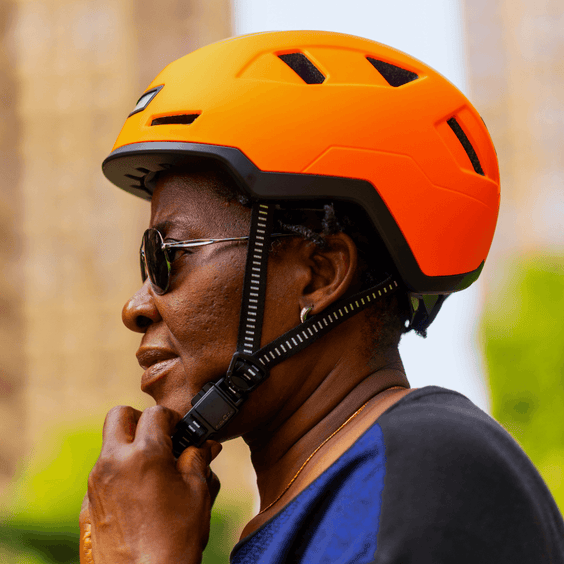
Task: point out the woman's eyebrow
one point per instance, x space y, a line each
181 229
163 226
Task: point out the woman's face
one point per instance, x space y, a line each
190 333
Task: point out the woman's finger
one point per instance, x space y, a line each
196 461
156 425
120 424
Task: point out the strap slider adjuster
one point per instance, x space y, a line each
245 372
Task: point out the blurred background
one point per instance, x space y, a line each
72 70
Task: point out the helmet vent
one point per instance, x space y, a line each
395 76
303 67
182 119
465 142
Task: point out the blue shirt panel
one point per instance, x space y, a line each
334 520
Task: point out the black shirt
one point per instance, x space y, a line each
434 481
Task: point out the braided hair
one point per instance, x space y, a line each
389 316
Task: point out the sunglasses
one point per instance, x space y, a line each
156 257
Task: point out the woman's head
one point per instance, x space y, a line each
190 332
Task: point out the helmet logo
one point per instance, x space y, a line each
145 100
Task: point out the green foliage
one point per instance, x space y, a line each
524 348
39 520
37 546
220 545
52 485
40 512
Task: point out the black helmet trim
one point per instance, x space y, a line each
134 168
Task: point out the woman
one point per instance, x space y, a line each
313 196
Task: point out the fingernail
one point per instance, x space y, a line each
216 449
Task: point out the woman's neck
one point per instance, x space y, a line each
335 387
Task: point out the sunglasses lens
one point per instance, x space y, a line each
142 264
155 259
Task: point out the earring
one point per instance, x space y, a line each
304 313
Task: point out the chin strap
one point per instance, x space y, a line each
219 402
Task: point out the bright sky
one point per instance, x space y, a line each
429 30
432 31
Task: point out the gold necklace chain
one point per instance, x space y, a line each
313 453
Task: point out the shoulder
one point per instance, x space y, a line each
455 478
445 424
438 443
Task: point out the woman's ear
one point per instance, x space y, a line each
333 272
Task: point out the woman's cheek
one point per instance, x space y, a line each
206 314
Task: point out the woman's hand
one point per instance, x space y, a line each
141 505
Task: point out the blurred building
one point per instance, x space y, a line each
516 77
515 54
71 72
13 374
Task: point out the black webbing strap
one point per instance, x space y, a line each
314 328
298 338
218 402
254 288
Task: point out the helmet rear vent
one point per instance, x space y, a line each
465 142
395 76
182 119
303 67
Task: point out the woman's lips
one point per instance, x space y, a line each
157 371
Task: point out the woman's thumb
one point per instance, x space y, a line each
196 461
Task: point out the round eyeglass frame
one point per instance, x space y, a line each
157 265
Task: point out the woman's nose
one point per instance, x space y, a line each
140 310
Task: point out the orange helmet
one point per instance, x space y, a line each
302 115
